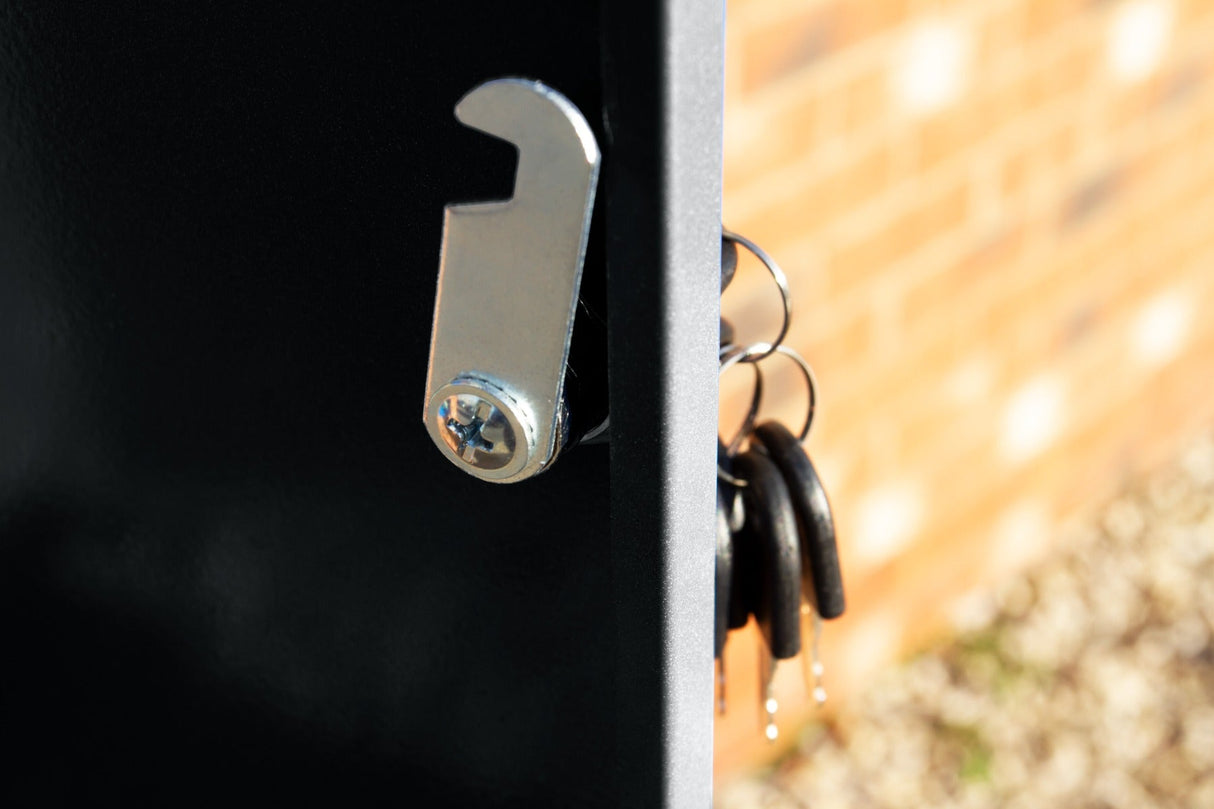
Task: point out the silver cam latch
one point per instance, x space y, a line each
508 284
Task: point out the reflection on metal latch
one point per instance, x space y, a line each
508 284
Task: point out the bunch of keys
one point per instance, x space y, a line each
777 558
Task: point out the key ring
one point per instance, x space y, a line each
752 354
757 351
731 449
781 280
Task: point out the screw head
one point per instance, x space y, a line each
481 429
477 431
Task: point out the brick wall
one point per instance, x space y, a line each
998 220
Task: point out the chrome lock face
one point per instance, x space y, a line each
482 429
508 283
478 431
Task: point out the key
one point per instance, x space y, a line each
811 668
821 574
724 573
740 589
729 266
724 577
729 261
771 529
775 575
727 333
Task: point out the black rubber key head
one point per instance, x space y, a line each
727 333
724 572
819 550
741 585
771 529
729 261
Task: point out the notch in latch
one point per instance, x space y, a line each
508 283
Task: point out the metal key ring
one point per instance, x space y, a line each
778 276
752 413
748 424
752 354
757 351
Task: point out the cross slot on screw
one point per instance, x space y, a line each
471 435
477 431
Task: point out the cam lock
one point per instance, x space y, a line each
508 283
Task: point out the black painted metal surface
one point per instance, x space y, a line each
231 562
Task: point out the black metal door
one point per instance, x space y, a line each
231 562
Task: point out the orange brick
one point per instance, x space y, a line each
1165 186
956 286
1016 173
865 102
892 386
1057 151
999 36
1114 311
923 219
1041 18
841 346
953 439
1184 85
1130 105
803 204
1068 74
809 33
784 135
950 133
859 22
1093 196
1189 12
787 45
1027 315
852 185
1111 430
1083 305
999 100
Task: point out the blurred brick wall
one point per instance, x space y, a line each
998 221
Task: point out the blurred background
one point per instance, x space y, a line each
997 217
